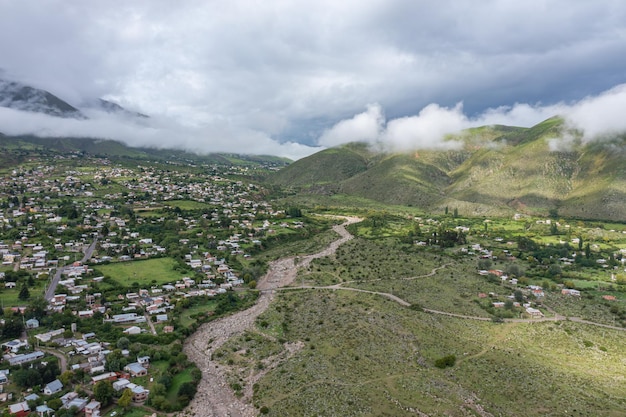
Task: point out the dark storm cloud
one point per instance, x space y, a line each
218 73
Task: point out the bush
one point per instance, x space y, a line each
446 361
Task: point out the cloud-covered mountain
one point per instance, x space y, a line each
112 108
22 97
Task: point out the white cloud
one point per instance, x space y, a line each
364 127
426 130
285 70
601 115
596 117
158 132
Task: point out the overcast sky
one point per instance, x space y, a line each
289 77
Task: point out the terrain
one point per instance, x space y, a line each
421 308
492 170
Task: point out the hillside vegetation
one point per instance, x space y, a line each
494 170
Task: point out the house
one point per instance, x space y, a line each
92 409
78 403
53 387
144 361
534 313
19 409
32 323
109 376
120 384
136 369
15 345
28 357
140 394
44 410
133 330
567 291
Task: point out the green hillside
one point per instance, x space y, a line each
17 147
498 169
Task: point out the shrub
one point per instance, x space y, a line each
446 361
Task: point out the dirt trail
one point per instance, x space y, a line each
215 398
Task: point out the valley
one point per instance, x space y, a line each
250 297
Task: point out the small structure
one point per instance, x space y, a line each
133 330
92 409
534 313
29 357
53 387
32 323
19 409
135 369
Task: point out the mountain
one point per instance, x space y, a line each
113 108
15 149
494 170
18 96
22 97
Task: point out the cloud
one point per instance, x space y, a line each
364 127
290 71
594 117
427 130
599 116
160 132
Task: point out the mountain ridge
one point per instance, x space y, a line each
494 170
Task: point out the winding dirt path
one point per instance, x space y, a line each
214 397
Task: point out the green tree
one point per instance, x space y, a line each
103 392
484 264
37 307
123 343
24 293
125 399
55 403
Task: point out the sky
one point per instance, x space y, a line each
291 77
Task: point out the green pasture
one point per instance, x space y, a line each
144 272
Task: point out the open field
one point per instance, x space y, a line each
144 272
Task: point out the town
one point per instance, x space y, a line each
80 329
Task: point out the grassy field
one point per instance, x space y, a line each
144 272
364 355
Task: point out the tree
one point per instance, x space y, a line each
66 377
24 293
13 328
484 264
37 307
123 343
519 296
103 392
55 403
125 399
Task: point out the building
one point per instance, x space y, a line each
92 409
53 387
28 357
135 369
19 409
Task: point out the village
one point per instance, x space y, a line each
59 225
